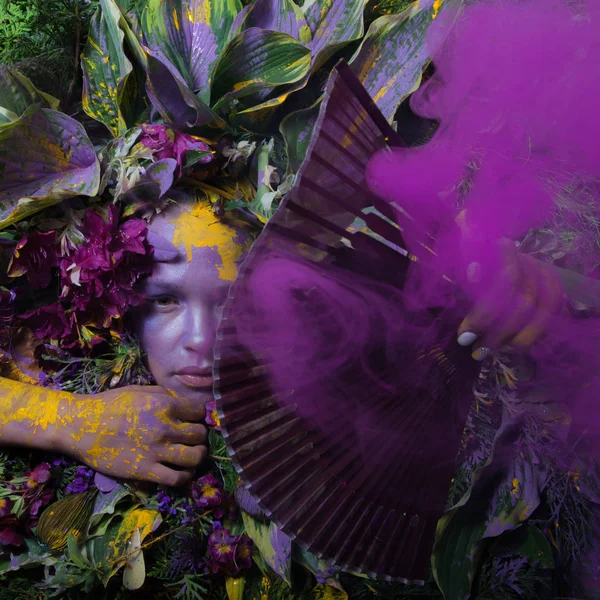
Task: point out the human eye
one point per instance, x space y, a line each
163 302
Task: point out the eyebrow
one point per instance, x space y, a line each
154 286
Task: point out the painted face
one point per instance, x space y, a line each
197 256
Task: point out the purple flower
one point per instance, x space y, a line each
50 321
9 537
97 281
35 255
39 475
207 492
228 553
81 482
168 143
5 507
164 503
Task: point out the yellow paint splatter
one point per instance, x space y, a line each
199 228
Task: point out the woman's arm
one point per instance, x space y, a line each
137 432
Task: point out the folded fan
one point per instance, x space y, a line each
341 391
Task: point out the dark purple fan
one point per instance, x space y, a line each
336 384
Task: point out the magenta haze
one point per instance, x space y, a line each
373 366
515 90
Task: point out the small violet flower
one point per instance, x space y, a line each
81 482
164 503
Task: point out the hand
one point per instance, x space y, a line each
516 308
136 432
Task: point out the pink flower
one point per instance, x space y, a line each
35 255
212 418
168 143
207 492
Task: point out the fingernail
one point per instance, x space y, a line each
466 338
474 272
481 354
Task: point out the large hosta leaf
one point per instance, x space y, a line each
257 60
191 35
333 23
105 69
45 157
173 99
17 94
392 55
283 16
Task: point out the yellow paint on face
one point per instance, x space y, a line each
199 228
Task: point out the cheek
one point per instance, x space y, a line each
159 339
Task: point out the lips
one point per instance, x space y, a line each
196 377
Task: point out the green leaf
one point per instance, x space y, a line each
527 541
498 501
257 60
17 94
191 35
296 129
334 24
393 54
274 546
45 157
105 69
76 555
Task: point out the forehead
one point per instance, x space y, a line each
199 238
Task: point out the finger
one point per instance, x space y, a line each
191 434
188 410
551 299
170 477
521 311
183 456
494 304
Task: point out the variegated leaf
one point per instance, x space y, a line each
284 16
105 69
257 60
45 157
393 54
17 94
274 546
170 95
191 35
334 24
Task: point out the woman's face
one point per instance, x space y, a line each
196 260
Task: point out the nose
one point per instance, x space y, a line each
199 331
